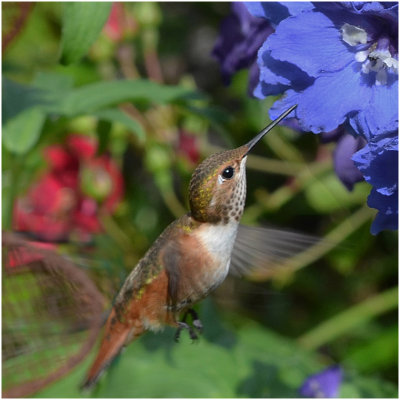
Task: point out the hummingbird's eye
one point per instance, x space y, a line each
227 173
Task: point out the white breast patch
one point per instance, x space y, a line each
219 240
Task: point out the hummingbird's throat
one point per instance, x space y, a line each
229 203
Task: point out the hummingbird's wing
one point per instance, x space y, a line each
263 249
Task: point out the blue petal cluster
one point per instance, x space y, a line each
378 162
339 63
324 384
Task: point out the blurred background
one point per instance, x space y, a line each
106 112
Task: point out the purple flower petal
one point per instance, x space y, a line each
387 9
312 42
277 11
387 217
345 168
378 162
241 35
325 105
323 384
297 7
381 114
277 76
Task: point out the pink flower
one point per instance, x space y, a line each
120 24
63 202
188 146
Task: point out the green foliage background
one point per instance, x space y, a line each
335 305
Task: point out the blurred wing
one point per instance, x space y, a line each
258 248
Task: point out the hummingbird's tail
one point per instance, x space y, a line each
116 335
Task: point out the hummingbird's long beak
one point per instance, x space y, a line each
253 141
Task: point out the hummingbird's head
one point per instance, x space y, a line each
217 189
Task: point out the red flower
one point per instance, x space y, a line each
62 202
119 24
188 146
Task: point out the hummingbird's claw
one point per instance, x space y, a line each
198 325
183 325
195 319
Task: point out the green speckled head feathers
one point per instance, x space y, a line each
210 192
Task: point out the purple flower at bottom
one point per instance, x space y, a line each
241 36
323 384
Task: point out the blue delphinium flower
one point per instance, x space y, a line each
339 63
323 384
241 35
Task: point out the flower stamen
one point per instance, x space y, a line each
377 58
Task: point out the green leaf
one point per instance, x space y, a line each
22 132
90 98
53 82
328 194
117 115
53 93
18 97
82 23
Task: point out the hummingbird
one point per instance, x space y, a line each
193 256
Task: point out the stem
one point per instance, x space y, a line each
125 56
133 112
269 165
173 203
113 229
283 149
302 179
349 319
153 66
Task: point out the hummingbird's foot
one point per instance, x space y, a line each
183 325
195 320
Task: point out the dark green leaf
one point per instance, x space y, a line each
18 97
53 93
53 81
82 23
22 132
328 194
